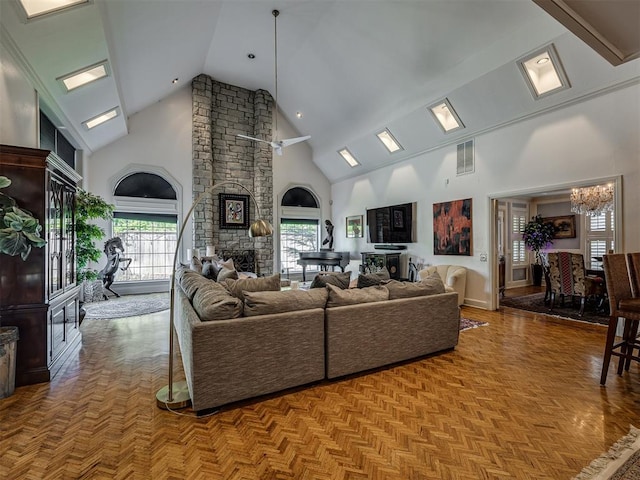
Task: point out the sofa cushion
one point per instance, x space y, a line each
339 279
371 279
339 297
191 281
410 289
213 302
265 303
260 284
434 282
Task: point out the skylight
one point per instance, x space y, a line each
100 119
543 72
86 75
446 116
350 159
36 8
389 141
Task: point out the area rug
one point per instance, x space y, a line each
535 303
621 462
468 324
127 306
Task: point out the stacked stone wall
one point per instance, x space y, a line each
220 113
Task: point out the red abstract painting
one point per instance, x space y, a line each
452 232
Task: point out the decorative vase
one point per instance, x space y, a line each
536 270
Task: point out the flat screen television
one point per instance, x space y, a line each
392 224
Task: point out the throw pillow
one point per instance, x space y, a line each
191 281
340 280
228 264
340 297
210 270
434 282
371 279
410 289
196 264
265 303
260 284
213 302
225 274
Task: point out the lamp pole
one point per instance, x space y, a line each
176 395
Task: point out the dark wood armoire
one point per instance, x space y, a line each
40 295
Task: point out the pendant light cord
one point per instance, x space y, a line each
275 59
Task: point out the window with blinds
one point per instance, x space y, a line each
599 238
518 248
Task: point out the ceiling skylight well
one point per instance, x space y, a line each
543 72
84 76
389 141
349 158
36 8
100 119
446 116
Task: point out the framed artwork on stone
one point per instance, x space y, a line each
234 210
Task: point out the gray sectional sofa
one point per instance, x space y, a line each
284 339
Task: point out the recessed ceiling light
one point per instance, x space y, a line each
389 141
100 119
543 72
89 74
36 8
251 56
175 80
446 116
349 158
299 114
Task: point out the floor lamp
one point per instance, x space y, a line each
176 395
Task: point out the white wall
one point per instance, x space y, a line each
593 139
18 105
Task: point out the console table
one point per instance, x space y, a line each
374 262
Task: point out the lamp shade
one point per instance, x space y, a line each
260 228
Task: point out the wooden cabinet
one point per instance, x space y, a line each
374 262
40 295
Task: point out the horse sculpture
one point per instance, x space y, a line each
113 249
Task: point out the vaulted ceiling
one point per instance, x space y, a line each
351 67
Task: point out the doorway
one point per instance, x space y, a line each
505 228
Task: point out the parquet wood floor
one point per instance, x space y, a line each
517 399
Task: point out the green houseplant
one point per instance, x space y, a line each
89 207
538 235
19 229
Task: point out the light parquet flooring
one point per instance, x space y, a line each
518 399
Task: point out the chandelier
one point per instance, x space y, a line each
592 201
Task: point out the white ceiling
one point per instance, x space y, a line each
352 67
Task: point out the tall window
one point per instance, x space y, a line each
149 235
600 237
149 242
297 235
299 227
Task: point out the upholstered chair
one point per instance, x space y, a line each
623 305
454 278
567 278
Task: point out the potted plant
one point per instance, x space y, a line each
89 207
19 229
537 236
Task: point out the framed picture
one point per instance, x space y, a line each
234 210
354 226
452 233
564 226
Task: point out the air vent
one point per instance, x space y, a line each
465 158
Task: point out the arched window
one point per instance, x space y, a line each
299 227
146 221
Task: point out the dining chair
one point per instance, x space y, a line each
623 305
568 278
